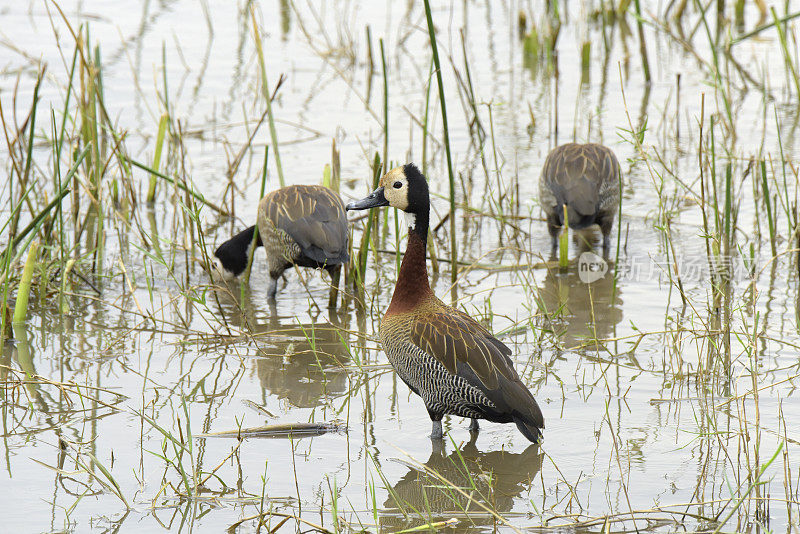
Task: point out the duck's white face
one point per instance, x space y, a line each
219 272
395 188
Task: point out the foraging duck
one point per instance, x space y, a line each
585 179
441 353
303 225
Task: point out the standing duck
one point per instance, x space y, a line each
303 225
441 353
585 179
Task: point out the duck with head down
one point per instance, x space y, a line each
583 180
441 353
303 225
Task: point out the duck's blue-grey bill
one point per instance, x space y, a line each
376 199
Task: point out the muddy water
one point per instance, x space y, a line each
642 417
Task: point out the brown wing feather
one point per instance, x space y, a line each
578 175
454 338
467 349
314 216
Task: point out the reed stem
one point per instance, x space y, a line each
162 130
785 49
768 204
23 293
385 109
563 242
265 91
251 255
446 134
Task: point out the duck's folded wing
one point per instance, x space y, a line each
571 178
470 351
455 339
314 218
608 172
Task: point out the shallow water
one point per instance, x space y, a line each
644 425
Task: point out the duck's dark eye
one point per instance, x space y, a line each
397 185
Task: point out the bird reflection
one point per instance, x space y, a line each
579 311
494 479
301 363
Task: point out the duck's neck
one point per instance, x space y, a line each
412 281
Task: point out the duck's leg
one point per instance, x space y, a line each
333 295
473 426
436 430
272 288
606 223
276 268
554 227
436 425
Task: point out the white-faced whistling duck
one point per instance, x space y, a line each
303 225
441 353
585 179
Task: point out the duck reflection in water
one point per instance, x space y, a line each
300 363
580 312
462 484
